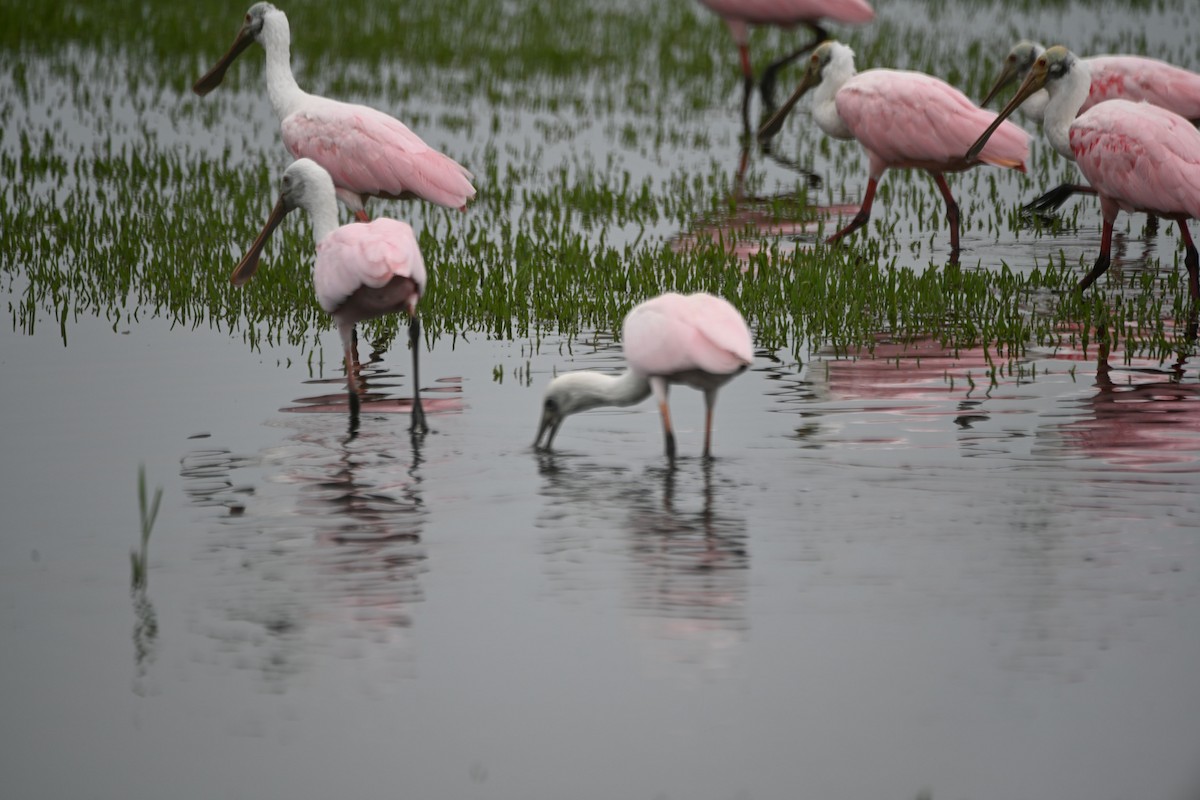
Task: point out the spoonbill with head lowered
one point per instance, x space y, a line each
740 14
1138 157
362 270
697 339
366 152
902 119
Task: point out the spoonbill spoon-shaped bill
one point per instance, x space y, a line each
1138 157
903 120
698 340
1113 77
739 15
362 270
367 152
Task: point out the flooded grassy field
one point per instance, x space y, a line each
947 547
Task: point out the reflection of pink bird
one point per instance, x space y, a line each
1137 157
362 271
902 119
740 14
366 152
698 340
1145 420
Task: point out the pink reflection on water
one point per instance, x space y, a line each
748 224
1143 415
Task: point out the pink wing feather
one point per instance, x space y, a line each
1138 78
910 119
365 254
790 12
675 333
370 153
1139 156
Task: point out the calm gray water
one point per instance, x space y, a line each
890 583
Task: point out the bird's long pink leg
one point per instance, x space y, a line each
1191 260
1103 260
659 385
668 433
864 213
361 215
351 384
952 217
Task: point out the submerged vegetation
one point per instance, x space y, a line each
605 144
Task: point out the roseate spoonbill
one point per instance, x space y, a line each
902 119
740 14
696 339
362 270
1120 77
366 152
1123 77
1138 157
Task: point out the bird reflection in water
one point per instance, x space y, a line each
374 381
322 549
685 552
1142 416
745 223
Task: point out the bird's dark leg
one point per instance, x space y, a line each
1191 260
1053 199
864 213
418 413
747 87
766 85
952 217
710 399
1103 260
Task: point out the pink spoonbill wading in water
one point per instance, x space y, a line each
362 270
1138 157
366 152
1113 77
698 340
739 15
903 120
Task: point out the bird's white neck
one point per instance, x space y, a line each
1067 95
322 212
276 39
585 390
824 106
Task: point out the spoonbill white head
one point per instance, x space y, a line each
255 21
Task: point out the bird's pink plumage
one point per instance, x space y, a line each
365 254
675 333
910 119
1139 156
370 153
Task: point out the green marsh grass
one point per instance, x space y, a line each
598 134
147 513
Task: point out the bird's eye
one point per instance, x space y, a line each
248 18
